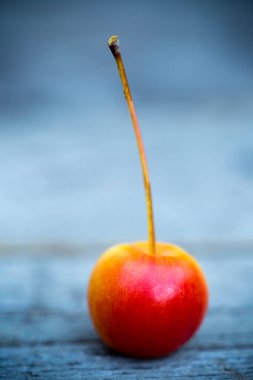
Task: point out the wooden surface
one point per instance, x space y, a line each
45 331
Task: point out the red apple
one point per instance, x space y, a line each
146 299
147 305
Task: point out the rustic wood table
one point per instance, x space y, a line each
45 331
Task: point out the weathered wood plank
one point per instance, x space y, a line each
94 361
45 331
223 328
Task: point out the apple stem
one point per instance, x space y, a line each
113 43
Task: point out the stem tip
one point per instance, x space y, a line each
113 43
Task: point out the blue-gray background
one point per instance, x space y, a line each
69 168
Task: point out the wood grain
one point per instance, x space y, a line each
45 331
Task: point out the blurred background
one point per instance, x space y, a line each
69 166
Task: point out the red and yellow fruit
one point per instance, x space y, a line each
146 299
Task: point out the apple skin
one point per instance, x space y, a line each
145 305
